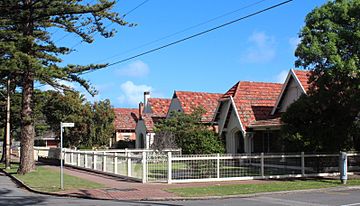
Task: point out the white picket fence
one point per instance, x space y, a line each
127 163
172 167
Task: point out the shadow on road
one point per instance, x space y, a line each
12 201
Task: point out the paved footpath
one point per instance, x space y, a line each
120 189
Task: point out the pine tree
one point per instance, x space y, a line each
27 49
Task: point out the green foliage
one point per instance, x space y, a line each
326 119
93 123
190 135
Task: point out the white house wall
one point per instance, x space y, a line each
233 127
292 93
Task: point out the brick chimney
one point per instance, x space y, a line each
146 98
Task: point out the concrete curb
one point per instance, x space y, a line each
23 185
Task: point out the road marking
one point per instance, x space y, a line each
353 204
284 202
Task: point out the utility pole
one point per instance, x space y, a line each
7 153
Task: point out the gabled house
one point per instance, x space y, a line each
248 114
184 101
152 111
125 123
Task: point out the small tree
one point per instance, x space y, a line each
187 132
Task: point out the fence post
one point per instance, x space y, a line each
104 162
85 160
218 165
262 165
129 164
169 168
94 160
78 160
302 164
144 175
72 157
115 164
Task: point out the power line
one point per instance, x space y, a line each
194 35
182 31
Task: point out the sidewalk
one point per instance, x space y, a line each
120 189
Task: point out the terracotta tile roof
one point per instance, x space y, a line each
159 106
191 100
254 100
303 76
266 122
125 118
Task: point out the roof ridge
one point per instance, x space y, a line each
198 92
259 82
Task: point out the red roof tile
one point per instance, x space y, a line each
303 77
159 106
125 118
254 100
266 122
190 100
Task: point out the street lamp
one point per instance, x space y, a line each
62 125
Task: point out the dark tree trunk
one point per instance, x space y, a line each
27 162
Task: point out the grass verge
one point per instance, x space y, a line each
273 186
47 180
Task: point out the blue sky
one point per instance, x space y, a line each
260 48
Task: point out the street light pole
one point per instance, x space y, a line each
61 158
62 125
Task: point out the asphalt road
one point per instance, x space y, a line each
11 195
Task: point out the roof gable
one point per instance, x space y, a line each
190 100
125 118
301 78
253 100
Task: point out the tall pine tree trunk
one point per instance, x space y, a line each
27 162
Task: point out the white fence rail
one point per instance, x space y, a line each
172 167
128 163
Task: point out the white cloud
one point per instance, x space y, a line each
131 93
135 69
280 78
294 42
262 48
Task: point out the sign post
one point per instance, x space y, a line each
62 125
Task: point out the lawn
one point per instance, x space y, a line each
47 180
273 186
